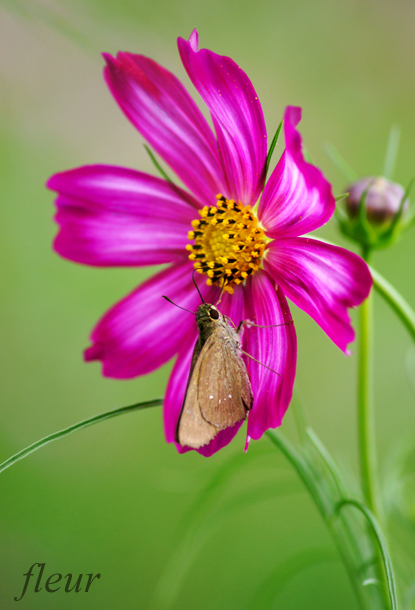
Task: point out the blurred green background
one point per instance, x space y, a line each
116 499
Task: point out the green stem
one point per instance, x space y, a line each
83 424
367 448
366 417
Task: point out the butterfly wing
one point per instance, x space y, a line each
224 389
219 392
192 429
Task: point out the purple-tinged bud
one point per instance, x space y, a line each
382 200
373 213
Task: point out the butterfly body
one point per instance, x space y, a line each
218 393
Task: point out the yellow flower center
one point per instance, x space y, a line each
228 243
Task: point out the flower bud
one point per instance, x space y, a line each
373 212
382 199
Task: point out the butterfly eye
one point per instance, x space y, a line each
214 314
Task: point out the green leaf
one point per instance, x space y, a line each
301 466
267 593
352 547
83 424
208 513
396 301
50 16
339 487
391 152
273 145
371 581
299 413
157 164
307 156
328 460
342 196
341 218
341 164
409 598
410 366
382 545
409 221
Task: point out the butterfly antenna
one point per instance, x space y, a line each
175 304
248 323
197 287
261 363
221 292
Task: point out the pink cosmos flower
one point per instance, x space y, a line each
248 233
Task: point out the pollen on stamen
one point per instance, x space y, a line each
228 244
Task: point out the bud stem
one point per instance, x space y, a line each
366 415
365 407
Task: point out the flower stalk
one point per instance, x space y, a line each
366 418
367 450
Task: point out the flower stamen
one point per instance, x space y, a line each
228 243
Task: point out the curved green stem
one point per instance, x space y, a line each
395 300
392 297
83 424
323 504
380 539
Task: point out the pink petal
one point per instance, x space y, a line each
115 216
265 304
174 397
297 198
321 279
237 117
222 439
158 105
143 331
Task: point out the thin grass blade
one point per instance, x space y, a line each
83 424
